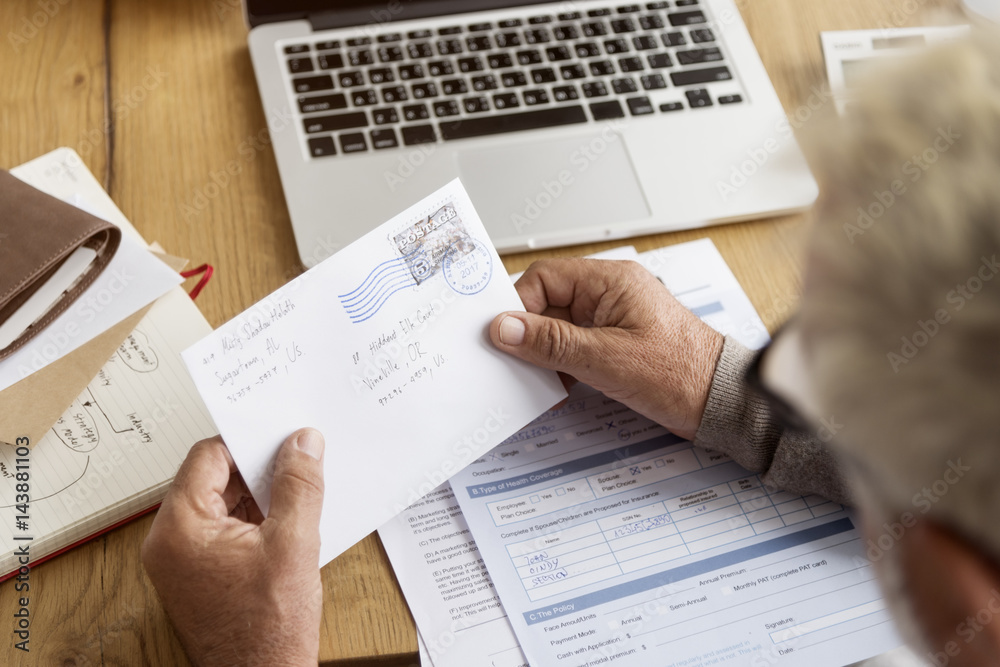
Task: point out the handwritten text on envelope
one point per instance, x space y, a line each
384 348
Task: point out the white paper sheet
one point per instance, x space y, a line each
384 348
133 278
450 594
611 541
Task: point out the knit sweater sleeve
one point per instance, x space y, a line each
738 422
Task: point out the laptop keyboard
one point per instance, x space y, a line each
364 93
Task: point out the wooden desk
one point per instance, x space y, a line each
158 96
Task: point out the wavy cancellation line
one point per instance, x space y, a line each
385 280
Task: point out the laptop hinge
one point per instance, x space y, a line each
403 10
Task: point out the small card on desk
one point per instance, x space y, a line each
384 348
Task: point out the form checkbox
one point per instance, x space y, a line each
560 491
536 499
660 463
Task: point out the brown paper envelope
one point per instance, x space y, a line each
30 407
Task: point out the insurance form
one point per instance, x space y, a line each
611 541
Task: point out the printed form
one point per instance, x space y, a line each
610 541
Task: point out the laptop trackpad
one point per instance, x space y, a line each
559 186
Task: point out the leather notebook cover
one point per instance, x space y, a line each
39 232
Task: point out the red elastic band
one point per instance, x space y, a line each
205 269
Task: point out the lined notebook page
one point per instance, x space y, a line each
115 450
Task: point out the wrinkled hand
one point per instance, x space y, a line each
239 588
614 326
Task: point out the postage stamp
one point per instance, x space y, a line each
424 245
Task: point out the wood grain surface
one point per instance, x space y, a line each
158 97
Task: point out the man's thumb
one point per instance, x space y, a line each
297 490
547 342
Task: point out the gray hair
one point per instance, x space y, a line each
901 309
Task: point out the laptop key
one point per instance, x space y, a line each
530 57
360 58
698 98
543 75
440 67
446 108
644 43
513 79
322 103
628 9
537 36
418 134
696 76
687 18
475 104
618 26
300 65
451 30
454 87
506 100
309 84
558 53
328 44
594 89
416 112
508 39
480 27
486 82
602 68
500 61
390 54
599 12
353 143
296 48
701 35
385 116
613 46
671 39
418 50
565 93
348 79
378 75
344 121
572 72
447 47
393 94
535 97
536 20
419 34
473 64
364 98
509 23
422 90
565 32
730 99
515 122
657 5
671 106
322 146
587 50
389 37
651 22
696 56
653 82
594 29
623 86
569 16
607 110
639 106
330 61
384 138
686 3
659 60
478 43
359 41
408 72
630 64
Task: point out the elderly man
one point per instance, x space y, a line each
884 390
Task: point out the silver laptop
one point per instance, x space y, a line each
567 122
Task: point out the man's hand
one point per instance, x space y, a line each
614 326
239 588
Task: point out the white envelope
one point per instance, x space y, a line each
384 348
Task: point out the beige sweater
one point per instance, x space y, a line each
738 422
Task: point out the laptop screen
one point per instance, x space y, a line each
345 13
